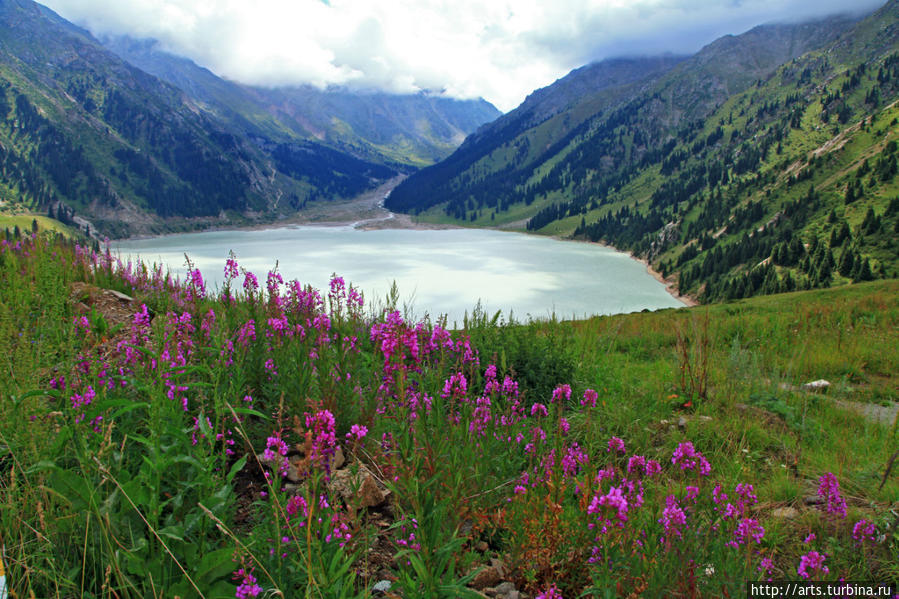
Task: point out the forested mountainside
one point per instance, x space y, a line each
92 139
766 162
396 130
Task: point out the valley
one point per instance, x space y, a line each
318 320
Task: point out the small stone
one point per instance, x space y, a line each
816 386
682 423
786 513
505 588
500 567
490 592
663 422
382 586
513 595
705 418
338 460
813 500
482 546
486 577
119 295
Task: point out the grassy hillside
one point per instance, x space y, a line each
189 441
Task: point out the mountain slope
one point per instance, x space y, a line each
86 133
410 129
763 163
504 166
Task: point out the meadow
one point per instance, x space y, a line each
160 438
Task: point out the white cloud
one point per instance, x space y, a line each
500 50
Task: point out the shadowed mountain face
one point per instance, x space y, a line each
406 129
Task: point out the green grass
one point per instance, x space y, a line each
146 502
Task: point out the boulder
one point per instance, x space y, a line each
359 489
785 513
818 386
486 577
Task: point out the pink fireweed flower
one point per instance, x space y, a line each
863 532
250 283
605 473
196 287
276 451
673 518
809 538
686 456
357 432
766 565
748 528
246 332
829 490
590 397
82 325
270 367
810 563
614 499
456 387
616 444
574 457
247 587
321 425
551 593
538 409
692 493
636 463
562 393
297 507
481 416
231 270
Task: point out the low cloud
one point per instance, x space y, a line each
465 48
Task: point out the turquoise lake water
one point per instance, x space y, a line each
437 272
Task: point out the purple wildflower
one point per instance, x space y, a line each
829 490
812 562
863 531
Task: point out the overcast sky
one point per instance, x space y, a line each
500 50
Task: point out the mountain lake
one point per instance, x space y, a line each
436 272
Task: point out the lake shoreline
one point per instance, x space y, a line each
367 213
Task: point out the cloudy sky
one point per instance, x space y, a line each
500 50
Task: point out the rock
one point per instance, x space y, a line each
816 386
358 489
338 460
682 423
813 500
486 577
785 513
500 568
382 586
481 546
513 594
119 295
490 592
505 588
705 418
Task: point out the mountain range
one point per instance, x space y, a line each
763 163
91 136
